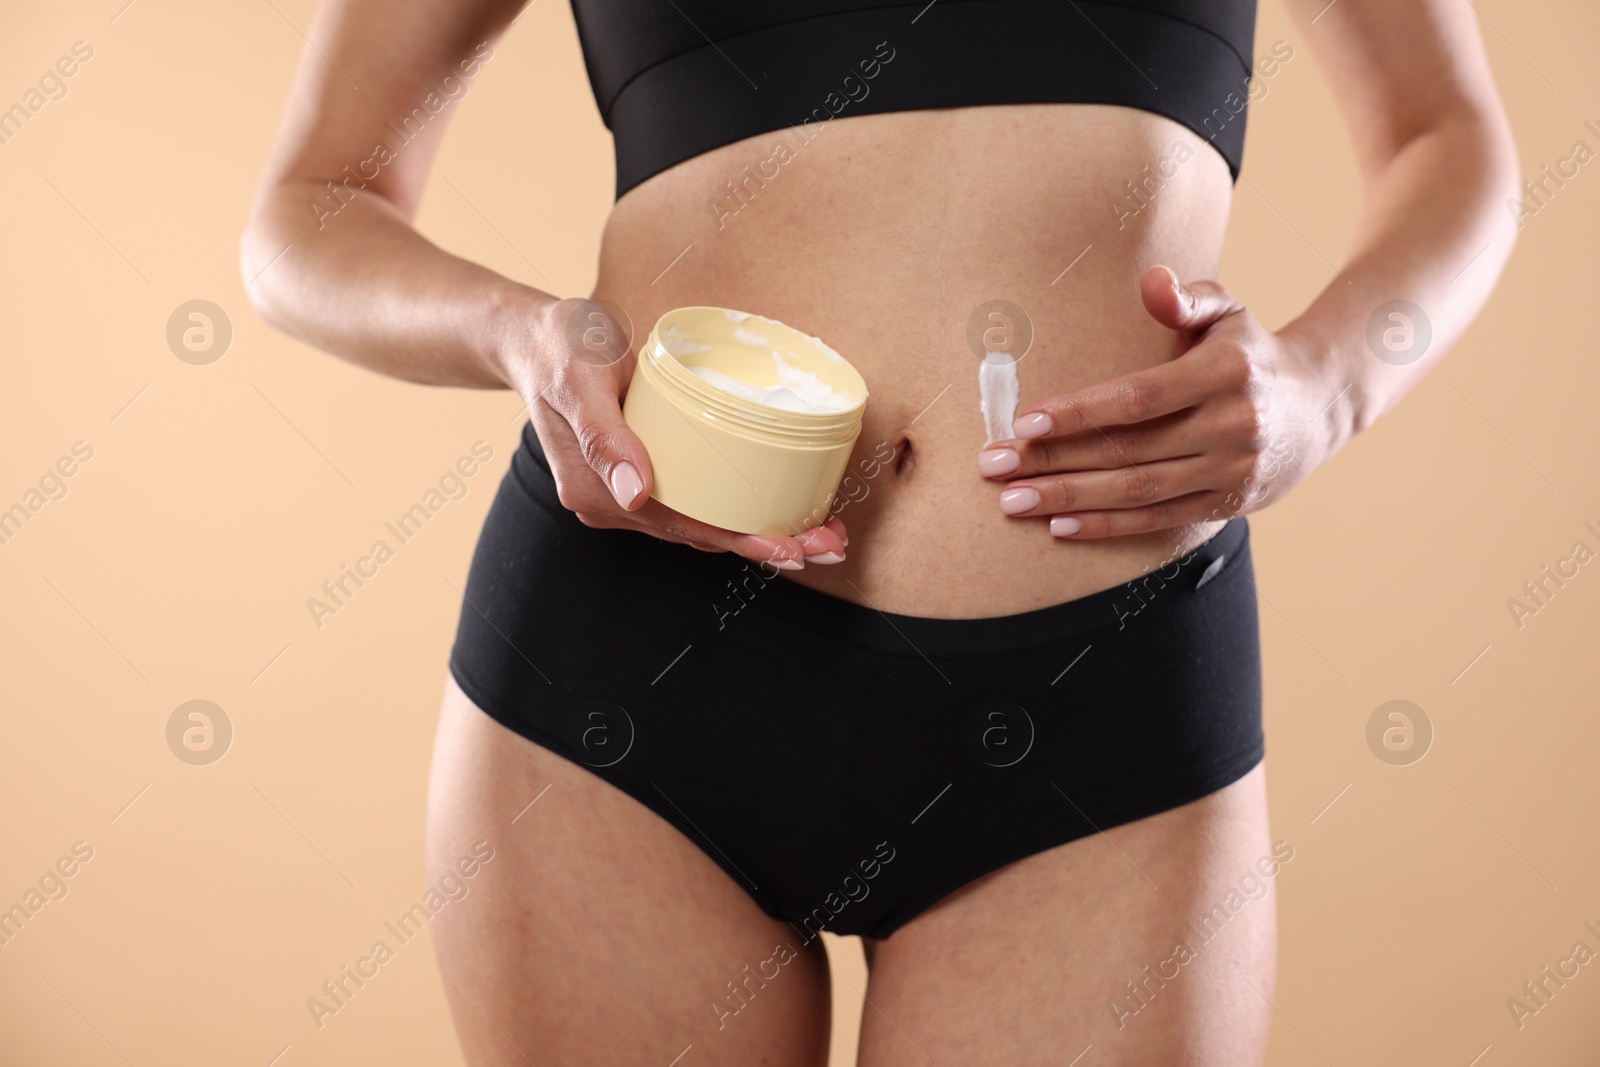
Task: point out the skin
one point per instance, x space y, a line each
1154 407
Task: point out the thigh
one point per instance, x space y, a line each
597 933
1154 943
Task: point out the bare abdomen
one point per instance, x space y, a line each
882 235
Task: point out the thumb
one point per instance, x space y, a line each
1176 306
618 456
608 445
597 364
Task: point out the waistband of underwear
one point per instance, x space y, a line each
1165 587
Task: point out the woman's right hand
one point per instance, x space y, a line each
362 283
572 365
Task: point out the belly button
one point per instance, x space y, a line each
905 460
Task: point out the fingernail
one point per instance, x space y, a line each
789 564
1182 290
1035 425
1013 501
998 461
625 483
825 557
1064 526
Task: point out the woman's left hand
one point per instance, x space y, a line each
1226 427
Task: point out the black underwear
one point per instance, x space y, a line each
848 767
675 78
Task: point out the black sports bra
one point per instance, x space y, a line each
675 78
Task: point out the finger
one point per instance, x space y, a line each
586 395
1133 398
615 452
656 518
1169 437
825 543
1125 487
1178 306
577 485
1160 390
584 392
1092 525
598 508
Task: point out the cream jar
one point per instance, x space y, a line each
748 423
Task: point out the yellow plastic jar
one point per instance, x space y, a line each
748 423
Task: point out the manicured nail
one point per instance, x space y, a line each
825 557
625 483
998 461
789 564
1064 526
1015 501
1035 425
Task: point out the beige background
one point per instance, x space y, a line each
220 497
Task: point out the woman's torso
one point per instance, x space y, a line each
882 234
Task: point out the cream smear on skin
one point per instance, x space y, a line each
997 395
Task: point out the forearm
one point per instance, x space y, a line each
367 287
1433 231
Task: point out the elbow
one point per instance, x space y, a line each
1502 172
1504 210
1486 147
1474 154
1467 149
260 253
1490 151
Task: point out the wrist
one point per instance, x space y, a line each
1334 395
515 331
